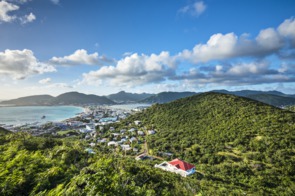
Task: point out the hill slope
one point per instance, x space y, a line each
240 144
166 97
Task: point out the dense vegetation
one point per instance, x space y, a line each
240 145
47 166
290 108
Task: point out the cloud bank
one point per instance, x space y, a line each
81 57
226 59
135 70
20 64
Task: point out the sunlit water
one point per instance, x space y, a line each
32 114
129 106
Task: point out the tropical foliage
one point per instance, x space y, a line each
239 146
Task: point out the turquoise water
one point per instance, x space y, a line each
32 114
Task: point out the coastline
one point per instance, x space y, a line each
22 115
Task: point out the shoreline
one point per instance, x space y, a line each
39 120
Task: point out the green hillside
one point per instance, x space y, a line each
239 144
239 147
46 166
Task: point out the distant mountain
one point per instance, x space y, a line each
245 93
80 98
70 98
274 98
166 97
30 100
124 97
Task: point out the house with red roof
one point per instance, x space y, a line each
178 166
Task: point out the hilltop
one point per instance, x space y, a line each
274 98
240 144
166 97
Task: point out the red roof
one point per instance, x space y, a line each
180 164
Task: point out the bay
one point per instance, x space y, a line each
32 114
130 106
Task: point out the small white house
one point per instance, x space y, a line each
151 132
132 130
177 166
137 122
141 133
126 147
92 144
102 140
132 139
112 143
122 130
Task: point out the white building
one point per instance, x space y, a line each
177 166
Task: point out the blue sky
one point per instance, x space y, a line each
104 46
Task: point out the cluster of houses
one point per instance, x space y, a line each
127 140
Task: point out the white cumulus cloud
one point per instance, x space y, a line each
80 57
135 70
5 8
45 81
226 46
20 64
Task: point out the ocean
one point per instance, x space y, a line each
33 114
